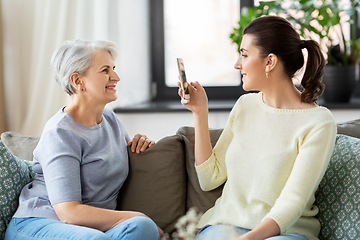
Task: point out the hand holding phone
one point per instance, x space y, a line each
182 74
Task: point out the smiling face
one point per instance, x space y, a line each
251 65
100 79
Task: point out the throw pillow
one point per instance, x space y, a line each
20 145
350 128
338 195
15 173
156 184
196 197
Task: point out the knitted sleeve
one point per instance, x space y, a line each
297 196
212 173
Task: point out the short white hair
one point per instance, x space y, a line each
76 56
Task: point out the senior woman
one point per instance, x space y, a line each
81 160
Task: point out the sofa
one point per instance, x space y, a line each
163 184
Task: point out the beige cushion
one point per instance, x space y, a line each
350 128
195 196
22 146
156 184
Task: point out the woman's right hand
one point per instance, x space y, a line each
198 105
198 102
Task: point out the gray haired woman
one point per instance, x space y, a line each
81 161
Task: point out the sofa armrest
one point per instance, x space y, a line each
156 184
196 197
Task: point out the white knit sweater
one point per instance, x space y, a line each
272 161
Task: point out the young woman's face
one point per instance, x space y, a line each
100 79
251 65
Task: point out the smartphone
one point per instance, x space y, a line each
182 74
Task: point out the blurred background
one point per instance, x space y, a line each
150 35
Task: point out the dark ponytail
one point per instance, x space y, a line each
274 34
314 72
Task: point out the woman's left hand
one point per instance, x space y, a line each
266 229
140 143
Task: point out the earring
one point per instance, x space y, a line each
267 74
82 86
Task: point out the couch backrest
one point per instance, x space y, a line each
20 145
349 128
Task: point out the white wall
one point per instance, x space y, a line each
159 125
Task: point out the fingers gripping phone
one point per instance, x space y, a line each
182 74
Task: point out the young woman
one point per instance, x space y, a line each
81 160
276 144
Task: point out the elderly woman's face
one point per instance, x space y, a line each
100 79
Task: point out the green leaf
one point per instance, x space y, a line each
308 16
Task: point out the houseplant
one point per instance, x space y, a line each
326 21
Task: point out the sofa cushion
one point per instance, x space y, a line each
15 173
195 196
156 184
20 145
350 128
338 195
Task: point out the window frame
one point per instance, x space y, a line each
159 89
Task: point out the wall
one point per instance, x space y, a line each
159 125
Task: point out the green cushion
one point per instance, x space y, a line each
15 173
338 196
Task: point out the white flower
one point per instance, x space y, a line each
186 226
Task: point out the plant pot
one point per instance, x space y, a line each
340 82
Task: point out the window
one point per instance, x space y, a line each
197 31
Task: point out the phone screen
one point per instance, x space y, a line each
182 74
